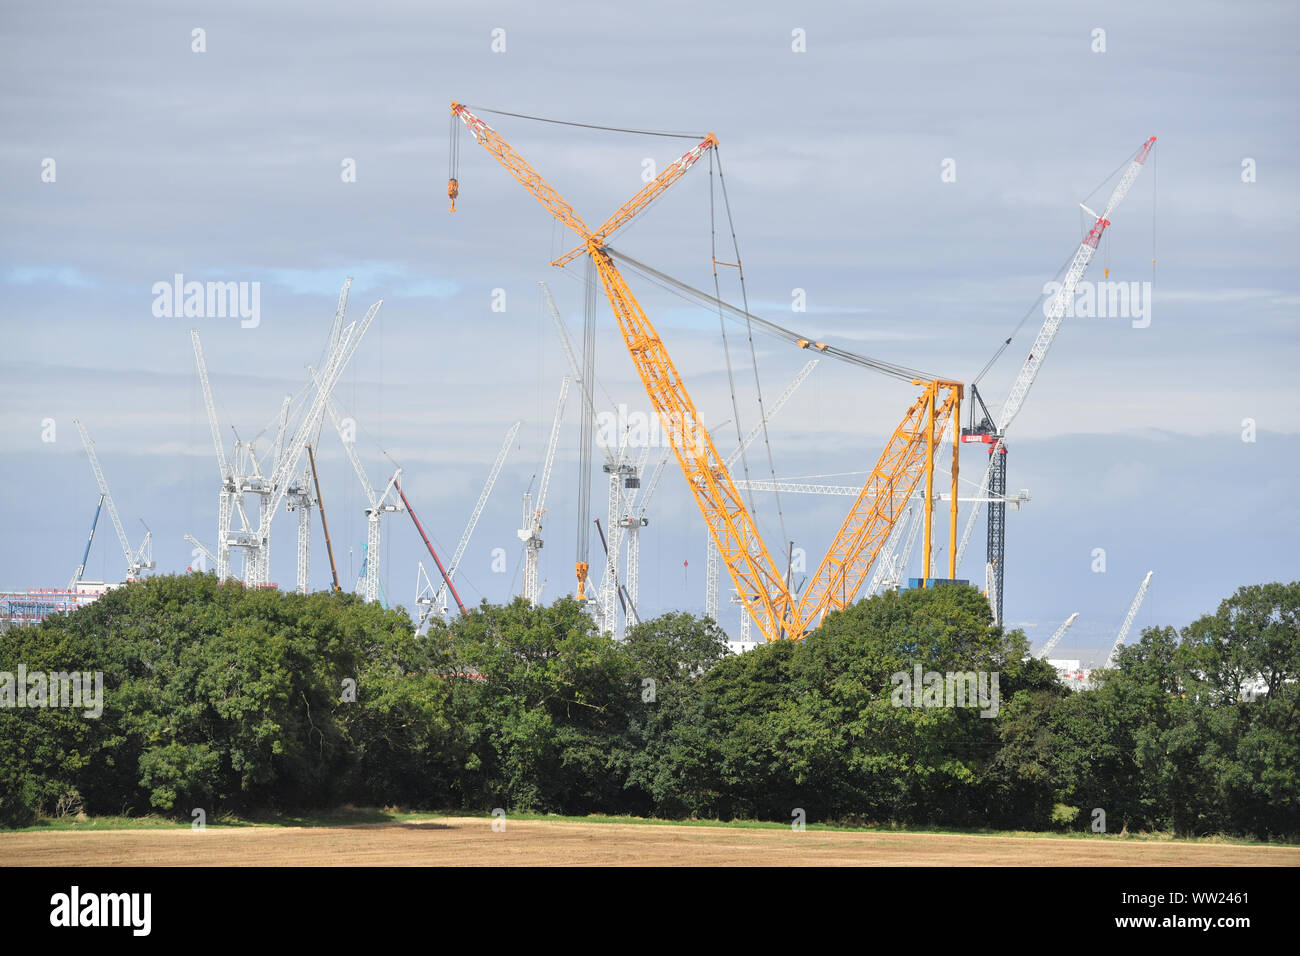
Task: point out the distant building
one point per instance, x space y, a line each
1071 672
93 588
931 583
36 604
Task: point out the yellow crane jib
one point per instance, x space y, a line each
908 455
754 573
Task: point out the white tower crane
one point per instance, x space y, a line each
300 499
247 479
369 583
226 497
1128 621
1056 638
203 549
531 532
284 476
994 433
440 598
632 525
376 507
423 599
899 563
142 558
623 475
242 474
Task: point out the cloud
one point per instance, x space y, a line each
1276 297
387 278
67 276
833 170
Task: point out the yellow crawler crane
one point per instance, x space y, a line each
753 571
909 453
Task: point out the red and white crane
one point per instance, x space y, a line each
994 433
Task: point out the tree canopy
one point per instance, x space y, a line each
243 701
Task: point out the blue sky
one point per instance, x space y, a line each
226 165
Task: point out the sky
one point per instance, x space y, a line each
902 180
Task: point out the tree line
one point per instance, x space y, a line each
241 701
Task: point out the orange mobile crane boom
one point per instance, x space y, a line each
754 572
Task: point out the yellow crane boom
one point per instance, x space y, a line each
753 569
754 572
908 455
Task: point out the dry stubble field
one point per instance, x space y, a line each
470 841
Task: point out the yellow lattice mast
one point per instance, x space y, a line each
908 456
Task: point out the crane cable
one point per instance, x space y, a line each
689 293
453 161
753 354
610 129
1155 182
1021 324
1059 272
897 371
726 347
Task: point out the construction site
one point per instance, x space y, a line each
888 540
761 446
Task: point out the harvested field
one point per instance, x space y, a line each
470 841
